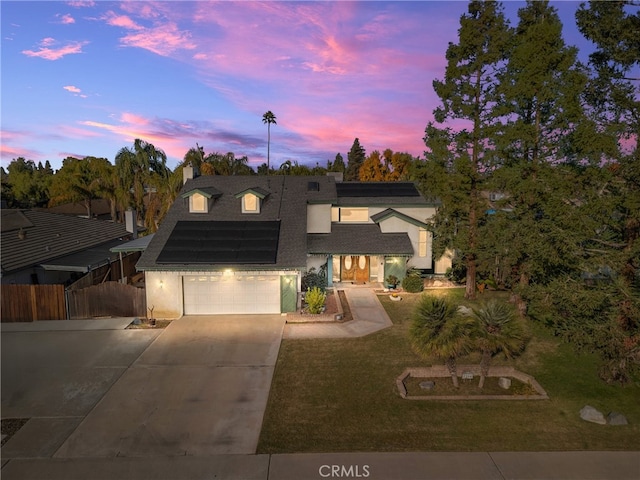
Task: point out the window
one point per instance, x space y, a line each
353 215
250 203
422 242
197 203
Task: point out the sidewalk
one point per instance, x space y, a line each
373 466
368 317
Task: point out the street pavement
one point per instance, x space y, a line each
187 403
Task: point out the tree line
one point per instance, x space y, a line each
139 177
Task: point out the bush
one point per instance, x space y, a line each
313 279
315 299
457 273
413 284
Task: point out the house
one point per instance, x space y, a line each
241 244
47 248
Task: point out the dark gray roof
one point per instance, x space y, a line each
84 261
359 240
286 202
48 236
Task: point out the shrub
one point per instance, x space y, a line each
413 284
315 299
313 279
457 273
392 280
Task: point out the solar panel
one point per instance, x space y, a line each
242 242
377 189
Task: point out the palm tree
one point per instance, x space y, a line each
269 118
438 330
497 329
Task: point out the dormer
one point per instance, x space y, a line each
252 199
201 199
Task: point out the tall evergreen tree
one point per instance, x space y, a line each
540 94
355 159
459 161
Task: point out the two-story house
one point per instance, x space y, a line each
241 244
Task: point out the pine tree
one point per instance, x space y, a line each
458 162
355 159
540 94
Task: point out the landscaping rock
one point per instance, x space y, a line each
504 382
615 418
464 310
590 414
428 385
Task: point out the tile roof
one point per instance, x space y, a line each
47 236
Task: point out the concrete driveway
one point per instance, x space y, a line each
198 387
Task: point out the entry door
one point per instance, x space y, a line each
362 268
355 268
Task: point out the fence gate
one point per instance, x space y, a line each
112 299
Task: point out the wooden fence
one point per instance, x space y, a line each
107 299
27 303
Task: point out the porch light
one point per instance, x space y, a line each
228 272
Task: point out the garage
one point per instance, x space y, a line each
231 294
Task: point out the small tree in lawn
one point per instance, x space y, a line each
438 330
497 329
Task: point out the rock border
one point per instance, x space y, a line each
441 371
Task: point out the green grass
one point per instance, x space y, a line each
340 395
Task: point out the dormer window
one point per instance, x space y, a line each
197 203
201 199
252 199
250 203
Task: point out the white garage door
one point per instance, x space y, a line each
206 295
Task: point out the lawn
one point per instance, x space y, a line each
340 395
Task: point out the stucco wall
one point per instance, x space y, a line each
443 263
397 225
164 294
319 218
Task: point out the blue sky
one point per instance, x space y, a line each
86 78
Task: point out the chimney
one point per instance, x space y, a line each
338 176
130 222
187 173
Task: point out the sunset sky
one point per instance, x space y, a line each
86 78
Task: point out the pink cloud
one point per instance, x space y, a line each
162 40
122 21
47 53
80 4
66 19
72 89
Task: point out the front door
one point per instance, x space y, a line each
354 268
362 269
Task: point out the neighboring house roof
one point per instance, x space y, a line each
137 245
285 199
390 212
359 240
31 237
